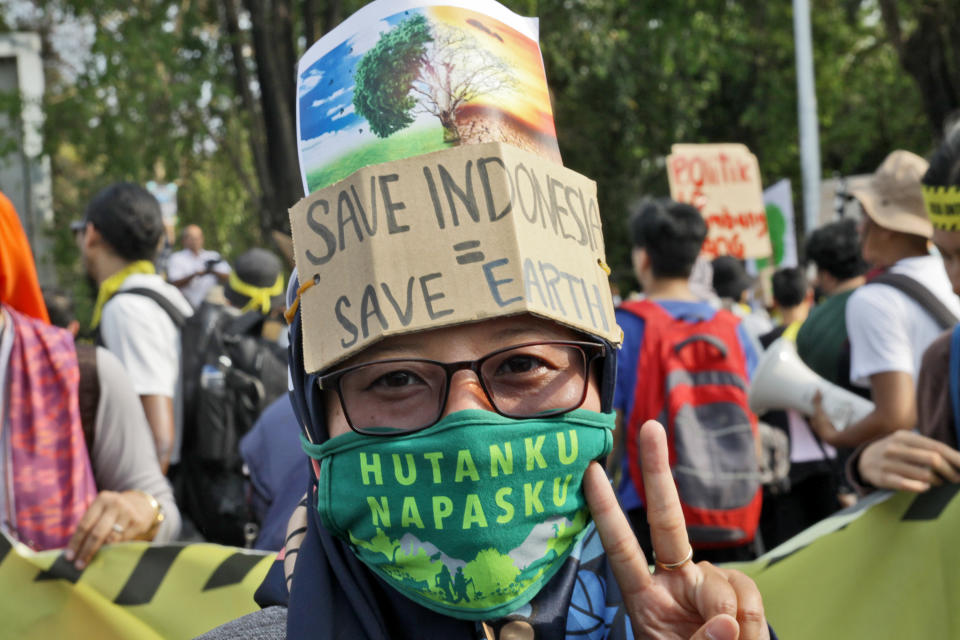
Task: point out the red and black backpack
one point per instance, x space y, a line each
692 378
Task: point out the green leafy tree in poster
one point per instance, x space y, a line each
386 73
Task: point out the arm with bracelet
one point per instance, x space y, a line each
135 501
159 514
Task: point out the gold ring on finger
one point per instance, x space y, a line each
673 566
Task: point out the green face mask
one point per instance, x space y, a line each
470 517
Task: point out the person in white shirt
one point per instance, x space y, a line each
195 270
888 329
120 238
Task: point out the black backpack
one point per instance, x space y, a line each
230 374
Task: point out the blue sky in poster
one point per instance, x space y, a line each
326 87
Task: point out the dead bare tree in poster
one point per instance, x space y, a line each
455 70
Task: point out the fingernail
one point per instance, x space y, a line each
720 628
80 564
718 634
68 555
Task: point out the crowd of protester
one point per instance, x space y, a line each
106 463
118 435
172 419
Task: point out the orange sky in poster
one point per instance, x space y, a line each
532 103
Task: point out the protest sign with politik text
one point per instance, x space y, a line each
723 182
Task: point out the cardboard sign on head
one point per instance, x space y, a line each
451 204
475 232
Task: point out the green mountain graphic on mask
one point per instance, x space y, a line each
470 517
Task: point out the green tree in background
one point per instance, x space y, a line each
631 78
200 92
203 92
926 37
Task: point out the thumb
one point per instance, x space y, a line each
719 627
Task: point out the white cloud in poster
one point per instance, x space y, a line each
318 151
366 39
333 96
343 113
309 82
312 143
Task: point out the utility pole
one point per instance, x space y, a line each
807 114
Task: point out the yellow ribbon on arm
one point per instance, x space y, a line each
259 296
112 284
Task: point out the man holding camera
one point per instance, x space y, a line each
195 270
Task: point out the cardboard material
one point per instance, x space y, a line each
401 78
455 236
723 182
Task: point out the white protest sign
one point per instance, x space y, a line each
723 182
778 200
401 78
166 195
455 236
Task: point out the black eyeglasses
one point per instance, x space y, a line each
402 395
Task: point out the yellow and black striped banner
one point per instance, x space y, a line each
885 568
130 590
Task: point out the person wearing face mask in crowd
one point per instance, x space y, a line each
455 486
454 420
399 408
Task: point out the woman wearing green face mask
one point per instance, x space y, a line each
452 415
457 496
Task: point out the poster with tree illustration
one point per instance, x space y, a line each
400 79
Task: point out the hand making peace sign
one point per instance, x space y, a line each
696 601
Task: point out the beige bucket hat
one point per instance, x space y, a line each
893 197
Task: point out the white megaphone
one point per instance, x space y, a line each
783 381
